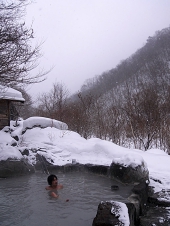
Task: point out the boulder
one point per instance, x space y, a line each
129 173
111 213
139 198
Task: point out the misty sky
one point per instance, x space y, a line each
84 38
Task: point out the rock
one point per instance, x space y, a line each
161 198
42 164
135 199
6 129
114 187
15 167
112 213
139 198
140 192
73 167
16 138
104 216
129 174
134 220
25 152
13 143
99 169
156 216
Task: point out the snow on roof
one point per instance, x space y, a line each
7 93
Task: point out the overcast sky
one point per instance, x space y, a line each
84 38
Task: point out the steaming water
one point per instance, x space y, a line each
25 202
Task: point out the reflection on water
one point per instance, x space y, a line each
25 202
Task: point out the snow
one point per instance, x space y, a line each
52 139
6 150
10 94
130 160
10 152
43 123
121 212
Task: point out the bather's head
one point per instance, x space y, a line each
51 178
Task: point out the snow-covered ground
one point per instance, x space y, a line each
60 146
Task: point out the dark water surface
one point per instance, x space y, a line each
25 202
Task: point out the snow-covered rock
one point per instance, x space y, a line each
43 123
129 169
112 213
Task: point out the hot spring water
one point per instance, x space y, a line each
25 202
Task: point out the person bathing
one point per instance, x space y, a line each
53 185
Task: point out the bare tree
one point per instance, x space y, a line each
17 56
53 103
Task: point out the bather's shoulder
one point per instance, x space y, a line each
60 186
47 188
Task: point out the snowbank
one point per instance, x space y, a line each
43 123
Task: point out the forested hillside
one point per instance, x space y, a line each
128 105
152 60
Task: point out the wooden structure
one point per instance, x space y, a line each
7 97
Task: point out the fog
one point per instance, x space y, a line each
83 38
